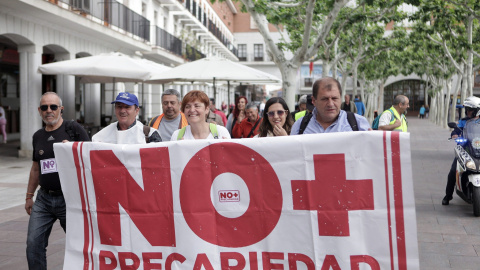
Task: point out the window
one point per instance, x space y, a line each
242 52
258 52
308 82
476 82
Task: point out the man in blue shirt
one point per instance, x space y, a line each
360 105
327 116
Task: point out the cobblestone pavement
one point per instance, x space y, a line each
448 236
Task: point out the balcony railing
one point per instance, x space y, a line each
168 41
201 16
193 54
113 13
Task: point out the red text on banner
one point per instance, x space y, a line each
150 208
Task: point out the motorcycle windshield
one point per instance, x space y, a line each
471 132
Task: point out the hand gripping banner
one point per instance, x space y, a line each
324 201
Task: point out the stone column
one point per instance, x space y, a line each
30 93
92 103
66 89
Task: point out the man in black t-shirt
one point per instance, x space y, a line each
49 204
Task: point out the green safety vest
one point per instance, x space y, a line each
403 127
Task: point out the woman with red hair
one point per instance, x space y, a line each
238 113
195 107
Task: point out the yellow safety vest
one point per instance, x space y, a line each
404 125
300 114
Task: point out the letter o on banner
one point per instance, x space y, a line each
200 214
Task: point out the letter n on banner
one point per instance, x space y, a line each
151 208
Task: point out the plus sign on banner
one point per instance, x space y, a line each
325 201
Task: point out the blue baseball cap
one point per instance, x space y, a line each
126 98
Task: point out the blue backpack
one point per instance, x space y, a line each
377 120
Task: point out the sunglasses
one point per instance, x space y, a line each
53 107
279 113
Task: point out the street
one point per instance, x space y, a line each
448 236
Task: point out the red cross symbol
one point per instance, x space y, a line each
331 195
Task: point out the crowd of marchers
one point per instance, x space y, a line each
192 118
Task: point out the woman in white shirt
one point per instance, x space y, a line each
279 119
195 106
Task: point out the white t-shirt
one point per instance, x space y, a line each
222 134
133 135
385 119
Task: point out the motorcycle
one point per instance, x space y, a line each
467 152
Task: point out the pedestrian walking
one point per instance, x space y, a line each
250 125
327 116
238 113
277 121
195 106
422 112
50 203
3 123
127 130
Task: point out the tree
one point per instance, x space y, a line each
307 23
453 25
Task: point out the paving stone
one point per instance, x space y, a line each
16 263
433 261
448 236
462 239
464 262
453 249
430 237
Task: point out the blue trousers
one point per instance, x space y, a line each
46 210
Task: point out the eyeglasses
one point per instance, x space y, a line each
53 107
279 113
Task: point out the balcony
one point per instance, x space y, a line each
193 54
168 41
112 13
201 16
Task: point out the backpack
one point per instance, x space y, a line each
72 133
376 121
350 117
213 130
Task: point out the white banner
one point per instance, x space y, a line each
324 201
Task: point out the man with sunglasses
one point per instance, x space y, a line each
49 204
472 106
127 130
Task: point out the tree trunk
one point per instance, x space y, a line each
289 84
452 107
446 101
326 67
433 109
343 83
380 97
355 77
469 67
463 95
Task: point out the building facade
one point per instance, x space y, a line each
35 32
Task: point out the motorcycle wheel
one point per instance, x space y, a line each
476 201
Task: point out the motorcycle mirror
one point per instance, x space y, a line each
452 125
